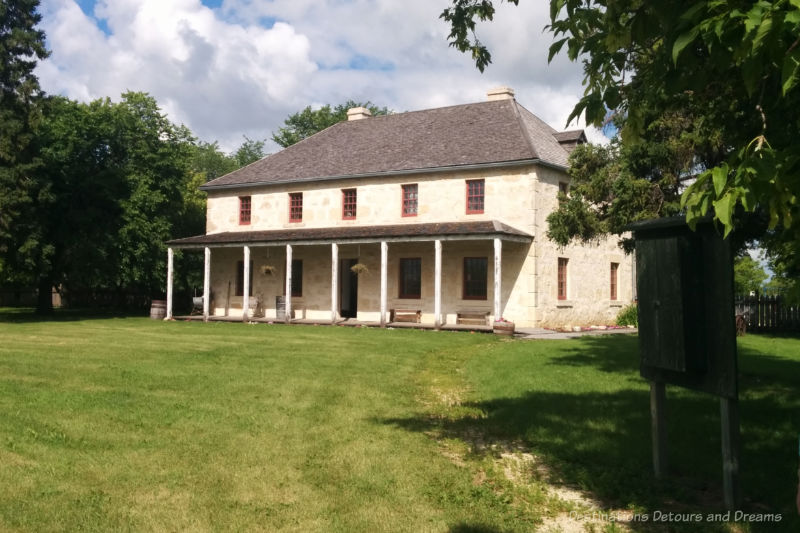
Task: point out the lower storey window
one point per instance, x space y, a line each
297 278
562 278
410 277
476 271
240 279
614 270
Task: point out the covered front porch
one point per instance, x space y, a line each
443 276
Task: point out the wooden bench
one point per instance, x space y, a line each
472 318
406 315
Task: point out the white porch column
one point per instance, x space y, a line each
498 276
246 283
170 254
384 268
288 317
334 282
206 283
437 284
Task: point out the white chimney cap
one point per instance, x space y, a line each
357 113
500 93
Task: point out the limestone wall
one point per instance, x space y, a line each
588 270
521 198
442 198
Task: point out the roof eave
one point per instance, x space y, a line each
404 172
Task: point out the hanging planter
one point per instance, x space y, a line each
268 270
359 268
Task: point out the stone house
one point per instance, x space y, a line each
436 216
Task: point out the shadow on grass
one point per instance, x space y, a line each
473 528
600 442
29 315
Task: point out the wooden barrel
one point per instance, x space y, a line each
158 309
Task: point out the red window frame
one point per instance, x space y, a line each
468 291
349 204
408 267
614 278
562 278
245 205
476 190
295 207
410 199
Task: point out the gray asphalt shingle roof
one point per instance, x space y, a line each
470 134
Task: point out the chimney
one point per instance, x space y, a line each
500 93
357 113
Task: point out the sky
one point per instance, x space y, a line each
233 68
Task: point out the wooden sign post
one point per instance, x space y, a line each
687 332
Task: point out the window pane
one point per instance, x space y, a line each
349 201
475 191
410 277
295 207
244 210
410 199
297 277
562 278
614 269
475 277
240 278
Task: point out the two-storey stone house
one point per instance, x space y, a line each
434 214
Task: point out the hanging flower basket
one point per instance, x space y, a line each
268 270
359 268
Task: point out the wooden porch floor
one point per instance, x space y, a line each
346 322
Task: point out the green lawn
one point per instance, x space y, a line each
132 424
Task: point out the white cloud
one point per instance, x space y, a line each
243 68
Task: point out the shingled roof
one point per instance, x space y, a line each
493 132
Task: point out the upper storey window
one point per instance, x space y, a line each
410 200
244 210
349 204
563 191
475 192
295 207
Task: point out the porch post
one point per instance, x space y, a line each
246 282
437 284
288 317
334 281
206 283
170 255
498 274
384 259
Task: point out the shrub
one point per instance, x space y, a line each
628 316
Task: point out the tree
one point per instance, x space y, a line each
748 275
738 62
21 44
309 121
210 162
249 152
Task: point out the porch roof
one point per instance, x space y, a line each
478 230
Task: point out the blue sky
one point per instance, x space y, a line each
228 68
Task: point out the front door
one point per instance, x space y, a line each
348 289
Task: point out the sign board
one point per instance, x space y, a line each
687 331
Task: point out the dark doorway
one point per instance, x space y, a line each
348 289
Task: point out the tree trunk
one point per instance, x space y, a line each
44 298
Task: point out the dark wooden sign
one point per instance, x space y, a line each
687 330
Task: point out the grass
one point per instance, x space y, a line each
129 424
